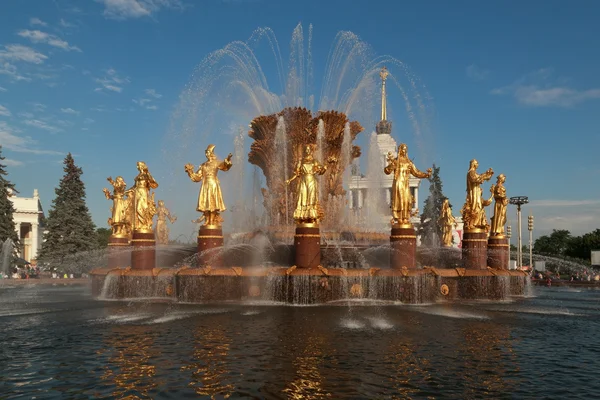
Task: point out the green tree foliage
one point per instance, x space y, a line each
582 246
429 230
560 243
103 234
70 227
555 244
7 223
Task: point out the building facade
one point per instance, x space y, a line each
29 217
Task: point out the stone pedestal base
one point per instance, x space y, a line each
497 252
307 244
403 247
119 253
474 250
210 238
143 250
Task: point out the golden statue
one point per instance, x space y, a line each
307 208
501 201
447 222
402 199
118 221
162 230
144 208
473 211
210 199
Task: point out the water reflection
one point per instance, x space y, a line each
130 369
489 360
409 370
210 368
308 379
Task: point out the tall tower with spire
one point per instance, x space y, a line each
384 127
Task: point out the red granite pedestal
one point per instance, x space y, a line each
307 244
403 247
210 237
474 250
143 252
118 254
497 252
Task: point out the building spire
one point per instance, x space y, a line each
383 74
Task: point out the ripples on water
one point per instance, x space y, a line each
58 342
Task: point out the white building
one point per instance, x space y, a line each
360 185
28 218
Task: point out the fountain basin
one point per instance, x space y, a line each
307 286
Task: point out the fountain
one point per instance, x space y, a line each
307 250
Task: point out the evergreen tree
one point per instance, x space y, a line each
70 229
429 230
7 222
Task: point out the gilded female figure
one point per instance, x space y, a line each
118 220
447 222
162 230
473 212
501 201
210 199
144 207
307 206
403 168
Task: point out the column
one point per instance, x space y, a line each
34 240
388 196
18 226
351 199
360 198
416 196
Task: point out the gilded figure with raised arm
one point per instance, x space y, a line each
162 230
118 220
473 211
501 202
210 199
447 222
306 171
402 200
144 208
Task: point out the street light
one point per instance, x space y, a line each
508 235
519 201
530 228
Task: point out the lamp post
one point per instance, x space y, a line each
519 201
508 235
530 228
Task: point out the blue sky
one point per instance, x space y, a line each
513 84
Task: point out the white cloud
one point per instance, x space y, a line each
39 107
153 93
10 70
88 121
4 111
537 90
37 36
66 24
564 203
123 9
477 73
36 123
152 107
37 21
3 89
11 141
69 111
141 102
17 52
12 163
111 81
26 114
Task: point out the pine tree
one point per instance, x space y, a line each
70 229
429 230
7 222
